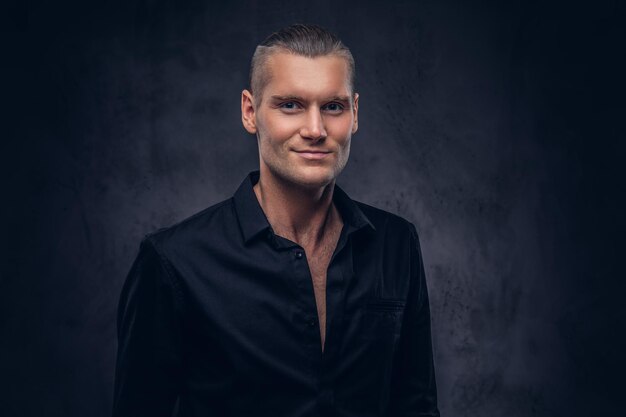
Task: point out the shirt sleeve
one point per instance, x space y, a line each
148 366
413 387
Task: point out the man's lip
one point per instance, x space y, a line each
312 155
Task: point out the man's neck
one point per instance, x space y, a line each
296 213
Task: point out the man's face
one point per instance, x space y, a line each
306 106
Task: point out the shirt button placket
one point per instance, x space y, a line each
311 321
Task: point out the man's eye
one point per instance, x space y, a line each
289 105
333 107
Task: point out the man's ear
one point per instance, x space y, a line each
248 112
355 109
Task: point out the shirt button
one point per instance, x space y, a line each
299 254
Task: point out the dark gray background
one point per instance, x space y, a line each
497 129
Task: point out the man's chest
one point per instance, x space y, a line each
318 260
261 319
272 301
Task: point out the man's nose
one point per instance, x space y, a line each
314 125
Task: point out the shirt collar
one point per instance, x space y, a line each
253 221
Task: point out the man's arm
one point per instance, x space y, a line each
413 387
149 333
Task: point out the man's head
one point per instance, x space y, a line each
302 99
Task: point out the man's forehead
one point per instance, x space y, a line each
300 76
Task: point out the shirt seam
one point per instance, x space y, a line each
420 280
169 271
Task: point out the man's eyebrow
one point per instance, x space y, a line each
339 98
292 97
288 98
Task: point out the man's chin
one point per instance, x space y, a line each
314 178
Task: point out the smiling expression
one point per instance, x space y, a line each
305 120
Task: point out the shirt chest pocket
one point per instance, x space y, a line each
381 318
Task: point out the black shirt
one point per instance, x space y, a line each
217 317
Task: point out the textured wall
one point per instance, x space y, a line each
495 129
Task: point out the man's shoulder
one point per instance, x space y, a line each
194 228
386 222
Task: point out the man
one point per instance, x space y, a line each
290 298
